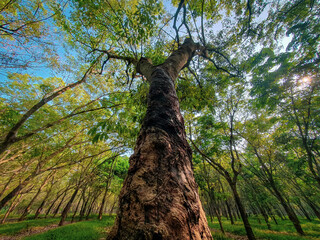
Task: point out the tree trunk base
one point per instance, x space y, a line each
159 199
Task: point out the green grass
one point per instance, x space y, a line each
219 236
94 229
16 227
86 230
283 231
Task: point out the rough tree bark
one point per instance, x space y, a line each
159 199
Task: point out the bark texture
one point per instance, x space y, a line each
159 199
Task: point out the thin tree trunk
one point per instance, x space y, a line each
26 210
243 213
42 204
59 205
53 203
255 213
55 200
234 214
13 205
311 205
90 208
274 190
6 186
159 198
103 202
305 136
219 219
67 207
49 209
39 209
237 212
84 207
229 212
210 209
303 210
222 208
265 216
291 214
314 209
309 202
280 214
271 213
76 210
16 190
35 173
112 207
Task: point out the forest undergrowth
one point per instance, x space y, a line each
47 228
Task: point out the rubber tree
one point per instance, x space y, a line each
159 198
266 156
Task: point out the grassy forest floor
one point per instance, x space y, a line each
283 231
45 229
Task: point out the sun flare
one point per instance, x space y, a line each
306 79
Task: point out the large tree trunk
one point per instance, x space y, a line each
159 199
